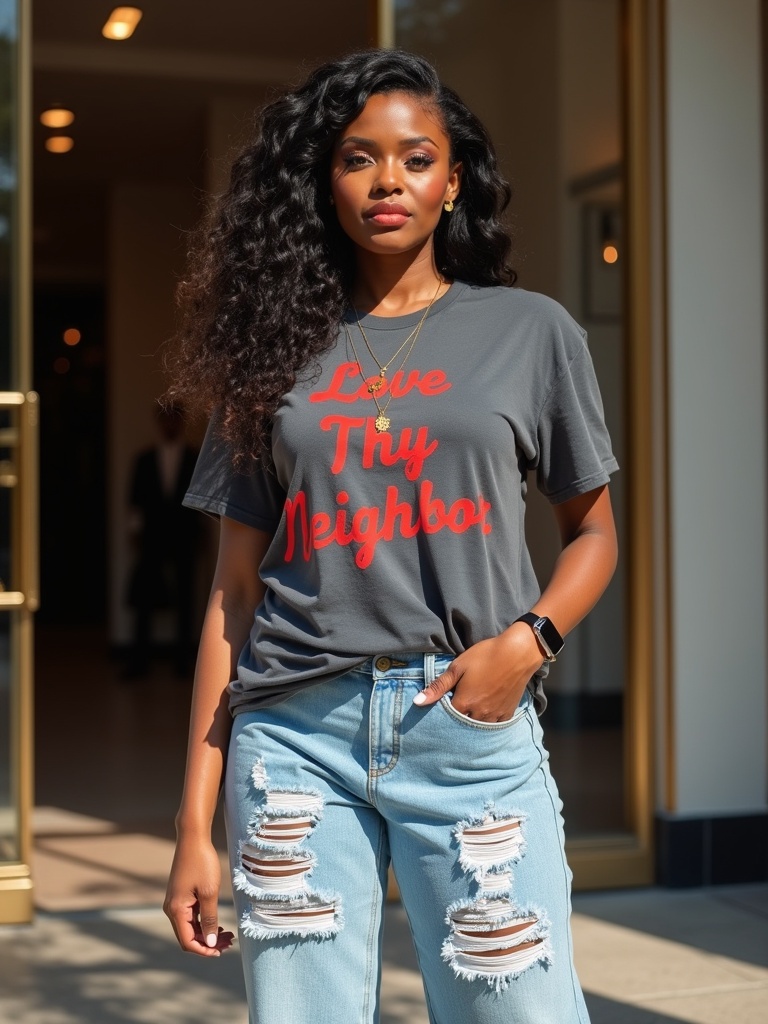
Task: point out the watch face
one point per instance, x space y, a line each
550 636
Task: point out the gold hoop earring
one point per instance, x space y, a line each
448 205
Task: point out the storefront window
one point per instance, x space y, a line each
545 79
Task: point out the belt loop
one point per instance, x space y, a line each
429 669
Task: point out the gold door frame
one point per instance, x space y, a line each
22 476
627 859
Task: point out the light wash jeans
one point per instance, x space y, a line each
325 787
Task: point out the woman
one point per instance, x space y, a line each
381 396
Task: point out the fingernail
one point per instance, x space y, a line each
420 698
211 940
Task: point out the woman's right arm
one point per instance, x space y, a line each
191 900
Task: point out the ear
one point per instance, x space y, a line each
454 181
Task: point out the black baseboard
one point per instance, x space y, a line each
568 711
725 850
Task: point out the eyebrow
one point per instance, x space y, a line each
417 140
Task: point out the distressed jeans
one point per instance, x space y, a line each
326 787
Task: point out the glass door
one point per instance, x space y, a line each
18 469
550 81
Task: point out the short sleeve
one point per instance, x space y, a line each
254 498
574 449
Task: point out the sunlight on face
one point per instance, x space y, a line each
391 174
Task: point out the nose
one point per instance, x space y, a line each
388 179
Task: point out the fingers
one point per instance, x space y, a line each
445 681
209 919
197 930
183 917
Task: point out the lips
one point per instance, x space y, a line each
387 210
388 215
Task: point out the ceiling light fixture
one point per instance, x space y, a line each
122 23
59 144
57 117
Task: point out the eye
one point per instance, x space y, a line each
356 159
420 161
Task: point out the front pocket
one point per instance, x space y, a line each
447 706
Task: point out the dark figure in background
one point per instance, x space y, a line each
166 537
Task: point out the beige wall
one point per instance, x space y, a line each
717 405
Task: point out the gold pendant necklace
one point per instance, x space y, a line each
382 422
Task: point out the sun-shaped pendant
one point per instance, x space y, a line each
382 423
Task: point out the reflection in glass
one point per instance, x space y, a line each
545 79
9 811
8 161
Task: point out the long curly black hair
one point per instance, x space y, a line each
271 272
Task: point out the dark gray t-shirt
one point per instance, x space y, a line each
412 539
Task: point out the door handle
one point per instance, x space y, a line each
20 474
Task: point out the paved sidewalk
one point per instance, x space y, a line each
644 957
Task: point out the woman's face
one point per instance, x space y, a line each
391 174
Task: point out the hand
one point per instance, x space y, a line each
191 901
488 679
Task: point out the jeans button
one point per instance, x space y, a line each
382 664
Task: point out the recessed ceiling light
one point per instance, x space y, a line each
57 117
122 23
59 144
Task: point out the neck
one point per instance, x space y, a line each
396 284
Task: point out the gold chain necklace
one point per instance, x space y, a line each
383 422
377 385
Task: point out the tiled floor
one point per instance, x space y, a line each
660 956
644 957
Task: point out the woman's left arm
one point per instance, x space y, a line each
488 678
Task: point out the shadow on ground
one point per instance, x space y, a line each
728 921
609 1011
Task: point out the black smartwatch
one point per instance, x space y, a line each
550 640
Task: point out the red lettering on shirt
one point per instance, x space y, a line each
345 424
370 524
413 451
433 382
409 447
